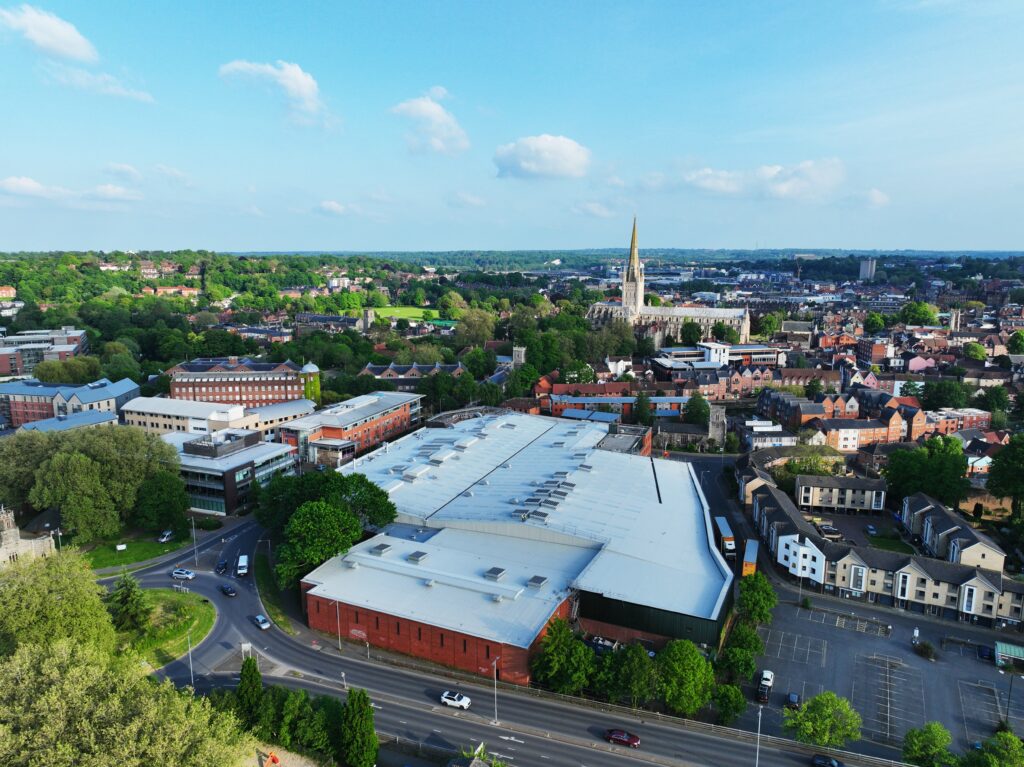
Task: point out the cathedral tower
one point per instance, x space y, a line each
633 281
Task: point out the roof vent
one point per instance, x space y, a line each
495 574
551 503
558 444
537 581
352 564
506 466
484 482
586 467
561 474
416 557
468 494
428 582
540 516
496 597
380 549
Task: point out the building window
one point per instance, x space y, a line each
398 628
442 639
376 622
465 646
419 634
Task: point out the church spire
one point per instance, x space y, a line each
633 268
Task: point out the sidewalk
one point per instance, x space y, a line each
203 539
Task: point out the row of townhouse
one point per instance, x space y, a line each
951 588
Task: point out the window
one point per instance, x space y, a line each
419 634
356 620
487 651
376 622
465 646
442 639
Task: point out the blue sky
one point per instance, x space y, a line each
437 126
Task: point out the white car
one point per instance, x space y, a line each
767 678
181 574
261 622
455 699
165 536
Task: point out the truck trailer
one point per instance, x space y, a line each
726 540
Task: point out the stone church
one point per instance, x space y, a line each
14 545
661 322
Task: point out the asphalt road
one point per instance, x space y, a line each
531 730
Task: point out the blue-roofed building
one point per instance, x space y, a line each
85 419
23 402
580 414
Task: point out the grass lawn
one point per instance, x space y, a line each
407 312
890 543
276 600
175 614
105 555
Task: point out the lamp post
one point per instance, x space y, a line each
367 650
195 543
757 753
343 682
191 676
1009 697
494 666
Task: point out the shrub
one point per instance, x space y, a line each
925 650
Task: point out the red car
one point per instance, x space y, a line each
622 738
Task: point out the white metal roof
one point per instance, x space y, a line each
543 480
182 408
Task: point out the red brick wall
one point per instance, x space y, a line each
421 640
26 412
623 634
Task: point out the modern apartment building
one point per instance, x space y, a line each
159 415
22 402
21 352
848 494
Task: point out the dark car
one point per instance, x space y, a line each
228 590
622 738
985 652
825 761
764 692
222 567
793 700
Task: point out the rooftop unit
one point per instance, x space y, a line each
380 549
495 574
537 581
416 557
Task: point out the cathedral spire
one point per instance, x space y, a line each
633 268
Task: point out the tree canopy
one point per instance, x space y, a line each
317 531
685 677
928 746
939 469
824 720
698 411
1006 475
564 664
757 598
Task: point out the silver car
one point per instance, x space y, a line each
181 574
261 622
455 699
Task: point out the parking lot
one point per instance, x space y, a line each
789 646
984 704
842 621
889 695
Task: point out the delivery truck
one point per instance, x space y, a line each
726 540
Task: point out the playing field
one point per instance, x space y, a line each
407 312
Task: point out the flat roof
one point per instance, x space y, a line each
183 408
352 411
281 409
254 454
72 421
646 517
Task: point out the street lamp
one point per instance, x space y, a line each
494 665
757 753
367 650
191 676
343 682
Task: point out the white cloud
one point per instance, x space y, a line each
807 181
436 129
615 181
94 82
175 175
49 33
253 210
332 208
467 200
592 208
123 170
114 192
23 186
300 88
543 156
877 198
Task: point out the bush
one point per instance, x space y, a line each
925 650
209 523
806 603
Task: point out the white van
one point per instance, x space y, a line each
243 565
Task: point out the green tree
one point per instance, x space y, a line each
359 742
475 328
685 678
636 674
21 455
928 746
249 693
642 413
735 664
1016 343
698 411
730 702
565 664
757 598
994 399
162 503
910 389
129 606
1004 749
745 636
490 394
813 388
769 324
316 532
940 394
725 333
76 486
1006 474
47 599
122 366
873 323
690 334
70 703
824 720
973 351
939 469
918 313
732 443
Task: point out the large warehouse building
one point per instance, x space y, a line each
507 520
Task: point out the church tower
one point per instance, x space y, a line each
633 281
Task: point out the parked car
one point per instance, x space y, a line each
985 652
455 699
871 530
764 686
825 761
622 738
181 574
222 567
830 533
228 590
165 536
261 622
793 700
